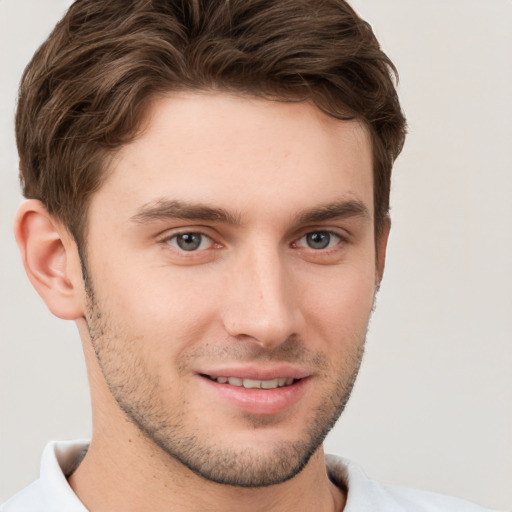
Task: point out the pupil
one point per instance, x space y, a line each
318 240
189 241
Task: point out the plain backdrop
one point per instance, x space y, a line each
433 404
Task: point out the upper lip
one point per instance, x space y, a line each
258 373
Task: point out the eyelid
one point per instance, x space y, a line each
332 244
204 239
171 234
339 233
183 230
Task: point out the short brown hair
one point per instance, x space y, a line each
86 90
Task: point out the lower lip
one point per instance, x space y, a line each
259 401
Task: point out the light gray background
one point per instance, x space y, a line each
433 405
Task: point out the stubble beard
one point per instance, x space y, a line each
138 394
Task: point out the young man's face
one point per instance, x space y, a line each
233 269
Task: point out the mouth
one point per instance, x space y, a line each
269 391
279 382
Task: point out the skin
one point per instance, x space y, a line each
280 197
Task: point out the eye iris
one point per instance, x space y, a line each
188 241
318 240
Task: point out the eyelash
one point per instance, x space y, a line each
204 238
323 232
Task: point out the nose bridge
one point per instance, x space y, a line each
261 305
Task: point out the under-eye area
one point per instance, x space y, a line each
253 383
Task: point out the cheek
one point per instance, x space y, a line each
164 306
339 305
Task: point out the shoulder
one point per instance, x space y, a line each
365 495
27 500
51 491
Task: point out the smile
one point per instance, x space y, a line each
253 383
256 390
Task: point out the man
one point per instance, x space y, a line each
208 196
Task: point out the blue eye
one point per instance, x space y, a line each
190 241
319 240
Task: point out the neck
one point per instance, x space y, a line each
122 473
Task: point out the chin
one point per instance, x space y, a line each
248 468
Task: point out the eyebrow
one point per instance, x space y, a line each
163 209
335 210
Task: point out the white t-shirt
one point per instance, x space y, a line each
52 493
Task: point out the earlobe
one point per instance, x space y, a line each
50 258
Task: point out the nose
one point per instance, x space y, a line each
260 302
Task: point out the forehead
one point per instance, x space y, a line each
243 152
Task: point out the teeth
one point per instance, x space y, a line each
269 384
253 383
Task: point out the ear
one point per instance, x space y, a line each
51 260
381 244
